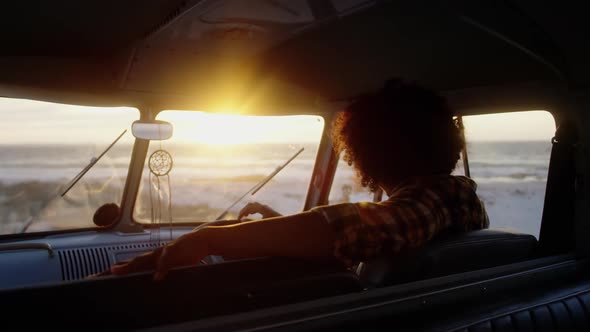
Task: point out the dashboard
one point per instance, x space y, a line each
52 270
73 256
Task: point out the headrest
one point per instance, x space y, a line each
450 254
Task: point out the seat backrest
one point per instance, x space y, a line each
449 255
559 309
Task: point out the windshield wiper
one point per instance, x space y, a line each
260 184
92 162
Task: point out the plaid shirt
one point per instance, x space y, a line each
414 214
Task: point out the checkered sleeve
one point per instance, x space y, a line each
366 230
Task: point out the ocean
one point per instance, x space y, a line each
205 180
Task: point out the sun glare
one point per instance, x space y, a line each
222 129
225 129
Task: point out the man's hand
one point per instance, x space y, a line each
188 249
255 207
141 263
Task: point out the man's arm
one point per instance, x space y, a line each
301 235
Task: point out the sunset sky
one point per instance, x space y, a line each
26 121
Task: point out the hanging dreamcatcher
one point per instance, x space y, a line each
160 164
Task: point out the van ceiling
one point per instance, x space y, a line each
288 53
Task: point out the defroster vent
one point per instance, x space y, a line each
80 263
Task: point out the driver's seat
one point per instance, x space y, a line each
450 254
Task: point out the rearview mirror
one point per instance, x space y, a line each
156 130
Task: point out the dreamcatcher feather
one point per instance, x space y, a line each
160 164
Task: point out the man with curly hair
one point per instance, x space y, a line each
402 139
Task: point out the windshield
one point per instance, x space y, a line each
43 146
217 159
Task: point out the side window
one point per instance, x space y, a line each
509 158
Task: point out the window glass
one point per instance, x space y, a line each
509 159
43 146
346 186
219 158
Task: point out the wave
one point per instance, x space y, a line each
239 173
489 162
538 163
513 178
